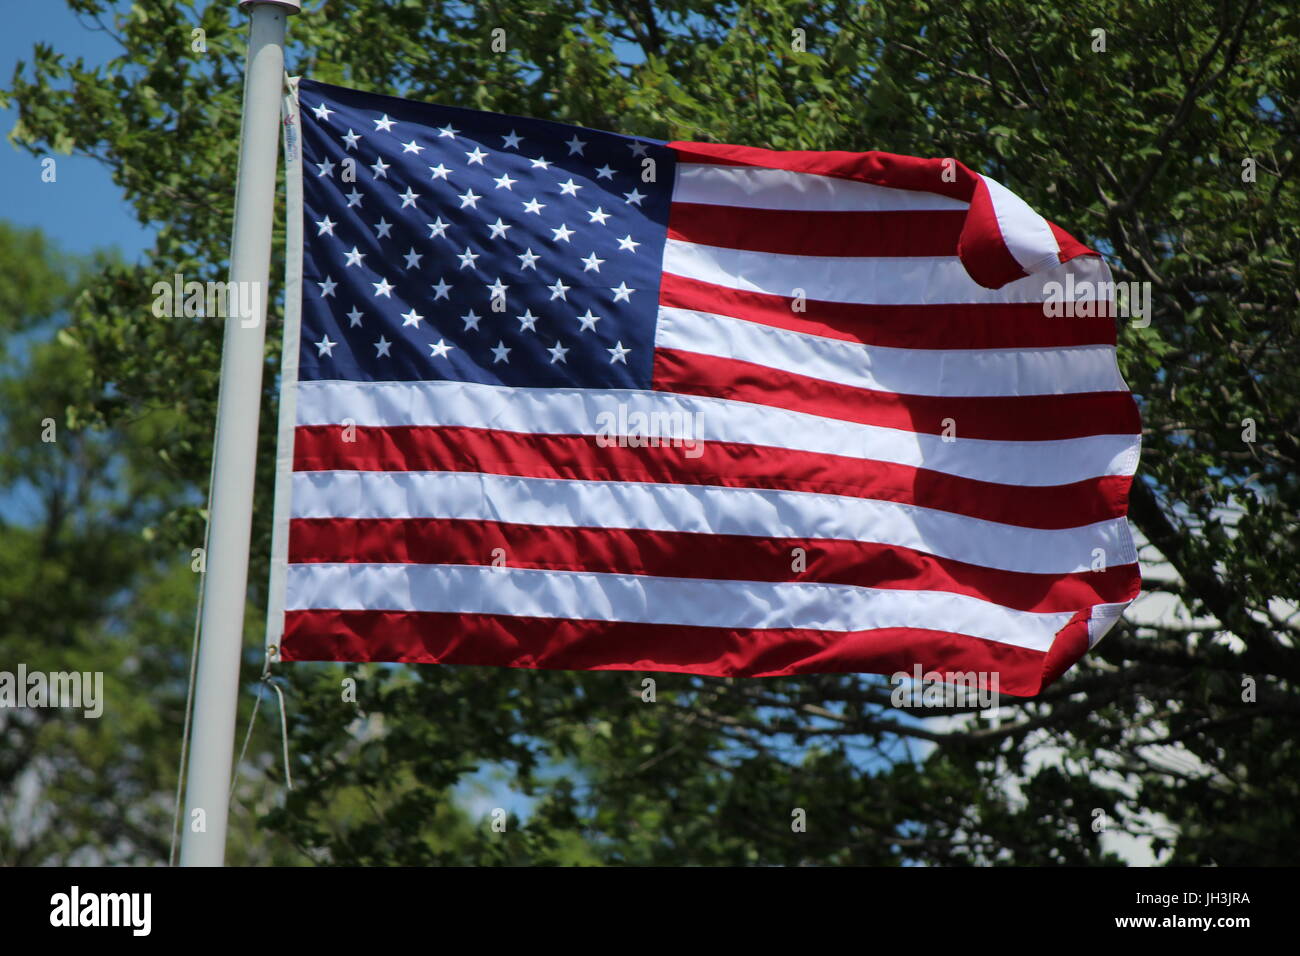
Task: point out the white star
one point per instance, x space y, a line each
534 206
500 353
569 188
638 149
383 288
587 323
628 243
540 163
412 318
598 215
498 228
326 225
575 145
527 321
590 263
633 197
562 234
469 198
512 140
325 347
447 131
326 169
622 293
382 347
382 228
351 139
409 197
440 349
528 260
498 288
437 228
322 112
384 124
413 258
558 353
476 157
354 318
440 172
618 353
412 147
559 290
440 290
355 198
380 168
605 173
471 320
505 182
327 287
354 257
467 258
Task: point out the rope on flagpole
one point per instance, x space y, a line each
234 779
265 682
284 735
185 734
194 663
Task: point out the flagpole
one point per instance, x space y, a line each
225 583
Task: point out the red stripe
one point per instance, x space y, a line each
993 418
1002 326
679 554
946 177
1070 246
1071 643
727 464
802 233
982 248
547 644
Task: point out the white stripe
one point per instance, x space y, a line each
1025 233
868 280
702 509
937 372
526 592
581 411
1101 619
754 188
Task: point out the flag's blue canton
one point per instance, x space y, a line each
476 246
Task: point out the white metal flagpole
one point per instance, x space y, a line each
212 739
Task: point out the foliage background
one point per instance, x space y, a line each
1136 150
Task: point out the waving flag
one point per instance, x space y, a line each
555 397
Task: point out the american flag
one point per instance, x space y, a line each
562 398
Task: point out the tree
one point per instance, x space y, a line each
1167 140
78 588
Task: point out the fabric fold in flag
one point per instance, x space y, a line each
555 397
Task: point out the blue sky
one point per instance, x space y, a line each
83 209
